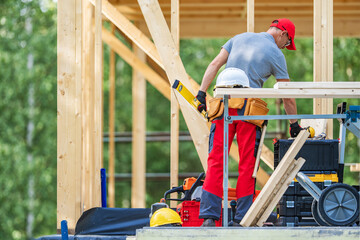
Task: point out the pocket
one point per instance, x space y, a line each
256 106
216 108
211 136
237 103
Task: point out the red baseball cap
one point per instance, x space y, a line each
286 25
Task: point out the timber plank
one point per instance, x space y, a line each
274 184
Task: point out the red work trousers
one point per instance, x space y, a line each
246 139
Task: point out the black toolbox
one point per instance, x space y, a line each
295 221
320 155
321 179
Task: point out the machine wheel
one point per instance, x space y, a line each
316 215
339 205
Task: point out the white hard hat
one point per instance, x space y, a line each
232 77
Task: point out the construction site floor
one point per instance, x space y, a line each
253 233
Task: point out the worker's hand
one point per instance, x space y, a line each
201 96
295 129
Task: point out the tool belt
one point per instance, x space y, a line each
254 106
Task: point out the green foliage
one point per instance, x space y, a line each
17 43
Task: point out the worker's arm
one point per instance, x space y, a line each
289 103
213 68
290 109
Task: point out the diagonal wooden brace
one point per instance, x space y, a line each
281 178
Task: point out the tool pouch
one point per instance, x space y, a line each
256 106
216 108
237 103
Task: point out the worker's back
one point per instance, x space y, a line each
258 56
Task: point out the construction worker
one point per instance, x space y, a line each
259 56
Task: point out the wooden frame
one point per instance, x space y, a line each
288 93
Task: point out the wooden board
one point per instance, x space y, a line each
355 167
317 85
97 131
287 93
273 189
174 109
138 179
323 56
112 88
69 141
88 96
250 9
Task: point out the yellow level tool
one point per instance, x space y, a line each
189 97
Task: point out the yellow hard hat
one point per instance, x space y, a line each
311 131
164 216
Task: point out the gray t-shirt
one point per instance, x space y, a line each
258 56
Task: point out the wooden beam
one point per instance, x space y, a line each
267 156
229 27
288 93
69 141
250 7
154 79
130 30
112 87
138 183
355 167
175 70
317 85
88 82
277 184
174 118
323 56
262 177
98 110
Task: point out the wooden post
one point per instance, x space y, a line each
250 7
174 125
88 79
112 88
98 110
138 183
69 99
323 55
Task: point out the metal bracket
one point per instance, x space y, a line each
308 185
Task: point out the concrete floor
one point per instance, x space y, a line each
252 233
